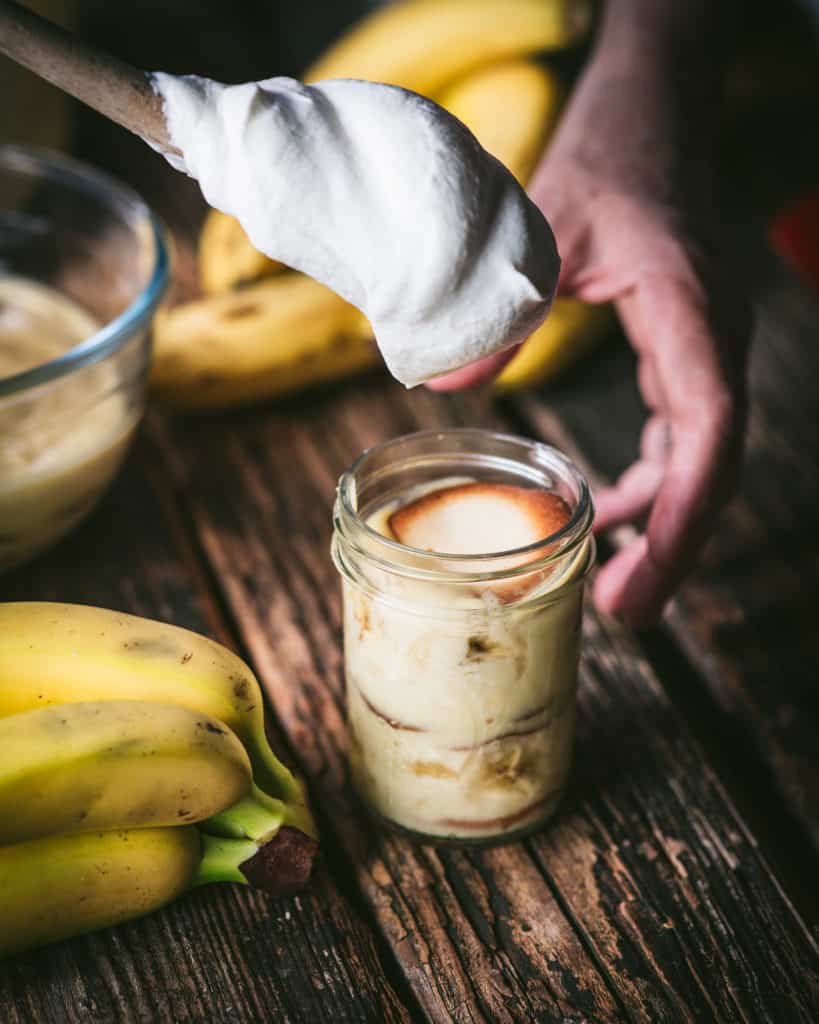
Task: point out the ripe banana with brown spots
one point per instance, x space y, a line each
53 654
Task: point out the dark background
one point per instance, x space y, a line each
723 699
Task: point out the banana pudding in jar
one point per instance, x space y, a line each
463 555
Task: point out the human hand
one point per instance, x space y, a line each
626 186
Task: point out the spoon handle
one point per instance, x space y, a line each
118 90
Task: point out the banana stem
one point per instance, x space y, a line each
221 860
256 816
297 813
282 865
268 770
277 784
259 817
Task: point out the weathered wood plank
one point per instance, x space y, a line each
672 894
745 618
269 544
222 954
648 866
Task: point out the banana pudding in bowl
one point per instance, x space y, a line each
462 555
83 266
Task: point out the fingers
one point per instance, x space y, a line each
705 412
476 373
631 498
630 586
705 409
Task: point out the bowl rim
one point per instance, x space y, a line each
51 165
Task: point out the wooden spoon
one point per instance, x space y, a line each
119 91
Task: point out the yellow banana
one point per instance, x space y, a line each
54 888
115 764
265 340
226 256
63 654
510 108
424 45
571 329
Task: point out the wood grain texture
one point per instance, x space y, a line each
745 618
224 953
269 546
694 926
647 900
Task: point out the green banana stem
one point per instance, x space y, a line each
274 782
297 812
280 866
259 817
268 770
256 816
221 860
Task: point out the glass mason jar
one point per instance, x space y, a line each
460 669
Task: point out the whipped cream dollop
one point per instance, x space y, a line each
382 196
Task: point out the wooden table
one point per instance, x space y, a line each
678 881
651 897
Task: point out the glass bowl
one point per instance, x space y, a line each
81 257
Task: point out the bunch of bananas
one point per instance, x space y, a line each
134 767
262 330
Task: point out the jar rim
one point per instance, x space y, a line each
429 564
